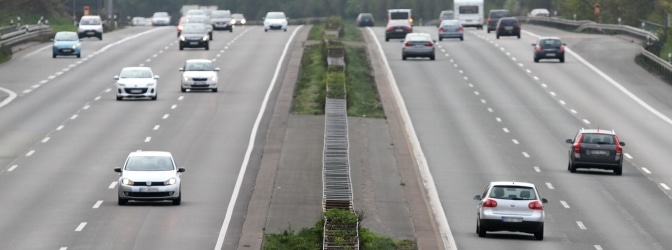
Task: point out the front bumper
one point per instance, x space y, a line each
199 84
66 51
136 92
148 193
194 43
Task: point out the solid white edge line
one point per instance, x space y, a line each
250 145
665 186
430 186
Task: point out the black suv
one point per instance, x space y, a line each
508 26
596 148
494 16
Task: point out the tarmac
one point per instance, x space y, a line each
387 189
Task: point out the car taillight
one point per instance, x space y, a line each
562 48
441 30
489 203
429 44
538 48
461 29
389 29
407 44
518 25
489 20
619 149
535 205
406 28
577 144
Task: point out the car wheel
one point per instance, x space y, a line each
432 58
210 34
481 231
207 47
497 36
539 235
440 39
122 202
178 200
79 55
562 59
387 39
285 30
53 55
571 168
214 90
119 98
100 37
618 171
183 89
536 60
230 30
461 38
156 96
518 36
181 48
265 30
488 30
403 57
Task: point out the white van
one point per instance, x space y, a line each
469 12
539 13
90 26
394 14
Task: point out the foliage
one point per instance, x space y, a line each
340 216
5 54
305 239
310 89
371 241
363 99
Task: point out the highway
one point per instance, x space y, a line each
63 133
484 111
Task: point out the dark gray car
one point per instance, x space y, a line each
397 29
221 20
549 47
596 148
494 16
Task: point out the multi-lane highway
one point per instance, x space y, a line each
64 132
483 111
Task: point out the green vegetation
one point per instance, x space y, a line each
311 238
363 99
310 89
5 54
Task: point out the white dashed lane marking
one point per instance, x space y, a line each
98 203
31 152
45 140
665 186
537 169
12 168
564 204
580 224
112 185
80 227
549 185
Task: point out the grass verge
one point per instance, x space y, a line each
5 54
310 89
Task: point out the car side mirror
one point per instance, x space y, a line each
118 170
477 197
544 200
156 76
116 77
570 141
564 44
434 41
263 18
621 143
52 40
181 170
217 69
534 44
180 69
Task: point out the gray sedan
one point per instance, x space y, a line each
149 176
418 45
451 29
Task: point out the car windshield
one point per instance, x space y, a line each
513 193
509 22
196 20
198 66
237 16
89 21
275 16
195 12
149 163
135 73
418 38
66 36
499 14
399 15
450 23
598 139
194 29
550 42
447 16
221 14
161 14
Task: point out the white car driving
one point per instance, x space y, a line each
149 176
275 21
199 74
136 82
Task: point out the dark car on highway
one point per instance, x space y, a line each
194 35
397 28
596 148
494 16
549 47
508 26
451 29
365 19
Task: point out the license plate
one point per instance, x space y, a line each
67 50
599 152
508 28
136 91
148 189
550 54
399 30
193 43
90 32
512 219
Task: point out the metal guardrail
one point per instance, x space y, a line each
584 25
10 36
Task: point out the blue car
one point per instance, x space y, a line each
66 43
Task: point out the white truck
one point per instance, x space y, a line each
469 12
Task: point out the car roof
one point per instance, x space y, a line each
451 21
598 131
499 10
137 67
150 153
549 37
199 60
512 183
398 21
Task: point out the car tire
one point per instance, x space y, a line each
207 47
539 235
79 55
119 98
481 231
518 36
403 57
178 201
265 30
183 89
571 168
497 36
285 30
387 39
214 90
440 39
230 30
488 30
536 60
432 58
210 34
562 59
53 55
181 48
461 38
100 37
155 97
618 171
122 202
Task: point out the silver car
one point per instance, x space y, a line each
221 20
149 176
136 82
205 20
510 206
418 45
199 74
451 29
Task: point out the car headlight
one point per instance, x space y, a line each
213 78
185 78
233 21
170 181
126 181
74 46
243 21
205 38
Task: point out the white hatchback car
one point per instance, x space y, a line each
90 26
149 176
510 206
199 74
275 21
136 82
